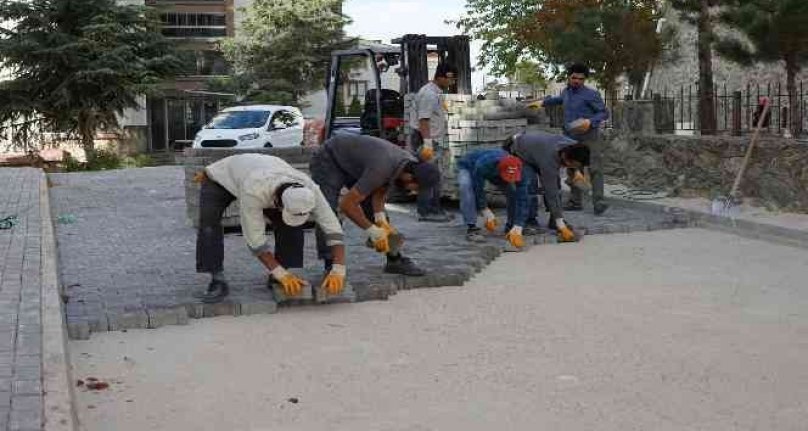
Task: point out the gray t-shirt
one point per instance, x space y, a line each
540 150
428 105
370 162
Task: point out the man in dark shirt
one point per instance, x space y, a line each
546 154
367 167
584 111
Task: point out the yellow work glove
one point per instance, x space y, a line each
536 105
490 220
381 220
514 236
427 150
581 181
380 238
292 285
335 280
200 177
565 234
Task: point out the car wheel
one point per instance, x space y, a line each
268 145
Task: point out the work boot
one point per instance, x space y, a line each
475 235
404 266
601 208
217 290
573 206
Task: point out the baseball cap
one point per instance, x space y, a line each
298 203
510 169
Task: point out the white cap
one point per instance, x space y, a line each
298 202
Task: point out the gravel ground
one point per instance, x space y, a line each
673 330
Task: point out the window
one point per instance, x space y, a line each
188 24
284 119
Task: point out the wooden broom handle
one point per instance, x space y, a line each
748 155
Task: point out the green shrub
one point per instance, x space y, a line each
137 161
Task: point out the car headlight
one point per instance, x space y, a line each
248 137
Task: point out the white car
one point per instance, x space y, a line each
253 126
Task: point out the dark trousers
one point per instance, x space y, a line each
213 200
427 202
595 145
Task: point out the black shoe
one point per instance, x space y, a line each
601 208
217 290
404 266
572 206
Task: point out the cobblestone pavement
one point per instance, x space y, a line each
21 401
127 252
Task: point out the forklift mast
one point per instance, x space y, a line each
450 49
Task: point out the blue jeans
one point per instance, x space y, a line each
468 199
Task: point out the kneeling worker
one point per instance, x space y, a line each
367 167
546 154
503 170
265 186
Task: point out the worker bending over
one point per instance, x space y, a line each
265 186
498 167
545 154
368 167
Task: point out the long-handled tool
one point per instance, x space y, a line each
729 205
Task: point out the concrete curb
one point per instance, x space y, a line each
59 411
745 228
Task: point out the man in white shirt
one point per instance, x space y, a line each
267 188
428 120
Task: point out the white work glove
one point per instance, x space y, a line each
427 150
490 220
379 236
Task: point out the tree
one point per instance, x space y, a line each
284 48
355 109
700 13
614 37
529 73
775 30
74 65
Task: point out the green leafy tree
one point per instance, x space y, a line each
284 48
701 13
773 31
528 73
613 37
355 109
74 65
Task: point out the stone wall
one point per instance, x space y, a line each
706 166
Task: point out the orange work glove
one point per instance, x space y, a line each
292 285
490 220
334 282
514 236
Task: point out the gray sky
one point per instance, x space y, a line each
387 19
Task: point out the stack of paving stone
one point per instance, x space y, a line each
194 159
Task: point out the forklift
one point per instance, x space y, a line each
394 71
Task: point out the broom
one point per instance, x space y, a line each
727 205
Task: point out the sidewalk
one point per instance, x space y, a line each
32 345
749 221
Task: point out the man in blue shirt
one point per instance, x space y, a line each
503 170
584 111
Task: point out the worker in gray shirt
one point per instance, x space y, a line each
546 154
367 167
428 121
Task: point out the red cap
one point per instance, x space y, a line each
510 169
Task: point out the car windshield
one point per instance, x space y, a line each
240 120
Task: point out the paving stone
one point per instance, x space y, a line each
78 330
321 296
258 307
160 271
26 387
128 320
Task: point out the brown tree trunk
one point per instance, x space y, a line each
86 131
707 121
792 69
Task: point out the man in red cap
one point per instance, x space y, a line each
503 170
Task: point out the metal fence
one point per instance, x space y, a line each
737 110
